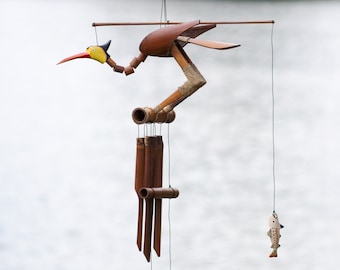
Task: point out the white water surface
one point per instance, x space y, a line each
67 140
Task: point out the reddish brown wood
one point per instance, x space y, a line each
139 181
172 23
180 56
158 162
148 229
194 82
119 69
110 62
197 30
140 164
148 184
159 193
140 223
159 42
158 202
207 43
128 70
149 115
134 62
149 180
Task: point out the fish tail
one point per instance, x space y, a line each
273 254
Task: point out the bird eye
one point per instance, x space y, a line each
93 49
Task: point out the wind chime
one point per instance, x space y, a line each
164 42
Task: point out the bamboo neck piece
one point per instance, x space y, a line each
195 80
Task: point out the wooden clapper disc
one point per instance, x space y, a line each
148 186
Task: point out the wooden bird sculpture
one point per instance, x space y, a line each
164 42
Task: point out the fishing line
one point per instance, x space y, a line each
165 13
273 116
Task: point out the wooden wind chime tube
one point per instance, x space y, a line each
149 174
139 182
158 182
148 186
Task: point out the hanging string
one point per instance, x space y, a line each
164 12
146 133
96 34
273 117
151 261
169 182
154 129
169 221
168 135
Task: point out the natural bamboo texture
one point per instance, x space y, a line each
139 182
148 115
163 111
148 185
149 174
171 23
158 182
159 193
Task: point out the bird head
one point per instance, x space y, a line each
98 53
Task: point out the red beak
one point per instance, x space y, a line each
79 55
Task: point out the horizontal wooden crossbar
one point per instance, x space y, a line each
171 23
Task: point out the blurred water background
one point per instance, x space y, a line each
67 140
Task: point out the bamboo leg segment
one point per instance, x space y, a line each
163 112
180 55
148 185
195 80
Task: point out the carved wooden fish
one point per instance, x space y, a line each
274 233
